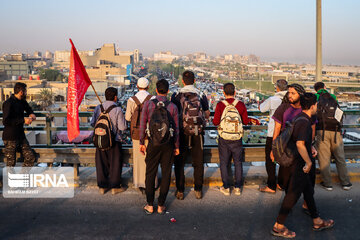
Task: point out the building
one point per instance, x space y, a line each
102 62
14 69
167 56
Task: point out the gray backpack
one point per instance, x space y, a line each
192 114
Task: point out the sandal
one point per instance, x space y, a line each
324 225
163 210
306 211
266 189
147 211
282 232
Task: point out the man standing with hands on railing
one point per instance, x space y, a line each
14 120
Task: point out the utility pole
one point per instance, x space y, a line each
318 42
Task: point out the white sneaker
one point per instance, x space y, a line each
237 191
225 191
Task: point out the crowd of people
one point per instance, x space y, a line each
167 131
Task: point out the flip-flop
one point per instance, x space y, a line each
324 225
265 189
162 212
147 211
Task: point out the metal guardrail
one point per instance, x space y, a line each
50 115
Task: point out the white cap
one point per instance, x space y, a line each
142 82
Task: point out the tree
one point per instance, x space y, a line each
51 74
45 98
152 85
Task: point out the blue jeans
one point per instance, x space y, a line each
231 150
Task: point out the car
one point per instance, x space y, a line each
213 134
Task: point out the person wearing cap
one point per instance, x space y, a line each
271 104
133 113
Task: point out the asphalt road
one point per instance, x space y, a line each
250 216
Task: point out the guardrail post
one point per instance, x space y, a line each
48 130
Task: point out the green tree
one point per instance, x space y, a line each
152 85
45 98
51 74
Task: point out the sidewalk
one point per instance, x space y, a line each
254 175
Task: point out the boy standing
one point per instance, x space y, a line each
230 115
159 119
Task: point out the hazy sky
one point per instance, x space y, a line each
279 30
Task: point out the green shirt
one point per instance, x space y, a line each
321 91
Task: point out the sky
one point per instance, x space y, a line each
275 30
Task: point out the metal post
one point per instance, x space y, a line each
48 130
318 42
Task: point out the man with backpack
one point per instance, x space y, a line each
271 104
193 111
108 122
329 140
230 115
133 112
300 180
159 121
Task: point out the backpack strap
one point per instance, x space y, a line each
235 102
110 108
148 97
225 103
136 100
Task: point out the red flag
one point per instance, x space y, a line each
78 84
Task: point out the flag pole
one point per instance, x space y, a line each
96 93
72 44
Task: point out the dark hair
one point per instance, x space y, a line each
229 89
298 88
162 86
318 86
188 77
19 86
110 93
307 100
282 84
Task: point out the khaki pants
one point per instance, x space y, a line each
325 149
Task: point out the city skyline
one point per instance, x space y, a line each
282 31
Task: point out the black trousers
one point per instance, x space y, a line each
270 165
10 152
299 183
155 155
190 145
109 166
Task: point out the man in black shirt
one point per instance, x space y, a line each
300 181
14 120
192 144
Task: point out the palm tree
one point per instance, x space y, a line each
45 98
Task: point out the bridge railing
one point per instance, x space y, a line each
84 153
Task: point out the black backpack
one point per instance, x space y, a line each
103 134
284 149
193 119
327 106
159 128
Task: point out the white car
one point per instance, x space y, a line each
213 134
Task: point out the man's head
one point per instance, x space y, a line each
318 86
143 83
20 90
229 89
188 77
308 102
281 85
162 87
294 92
111 94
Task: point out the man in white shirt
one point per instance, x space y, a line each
271 104
133 112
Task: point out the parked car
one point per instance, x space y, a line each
213 134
